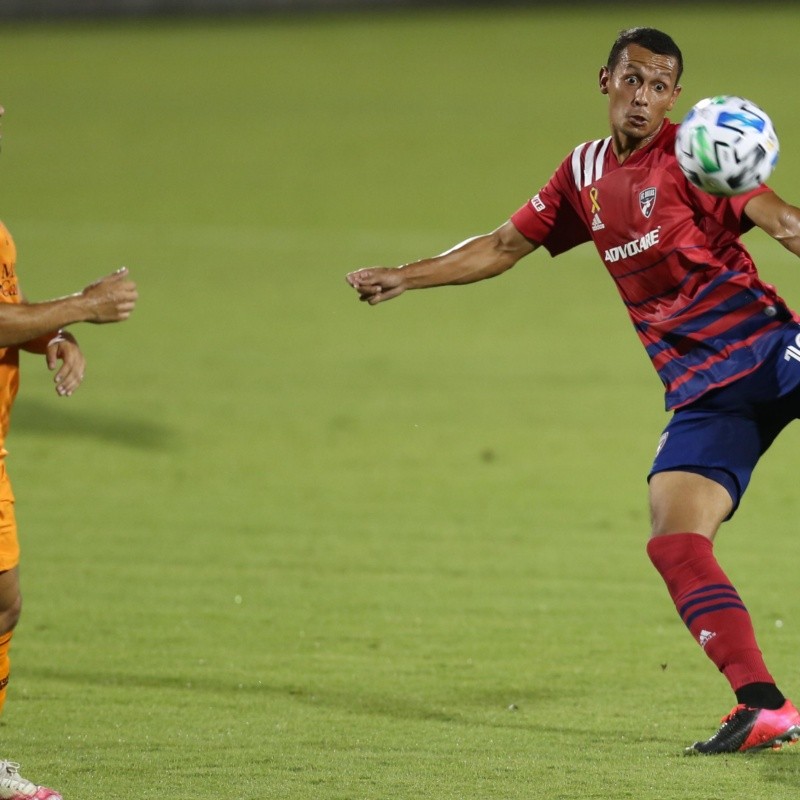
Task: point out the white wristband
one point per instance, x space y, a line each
59 337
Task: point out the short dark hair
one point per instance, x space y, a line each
651 39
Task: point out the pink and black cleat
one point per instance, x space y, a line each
752 729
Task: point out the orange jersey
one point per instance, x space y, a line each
9 356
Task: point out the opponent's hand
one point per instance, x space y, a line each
110 299
376 284
64 348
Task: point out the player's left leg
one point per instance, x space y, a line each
687 510
12 785
10 607
10 597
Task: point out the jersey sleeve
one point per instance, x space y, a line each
728 212
549 217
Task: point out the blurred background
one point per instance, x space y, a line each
99 8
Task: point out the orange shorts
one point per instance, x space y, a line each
9 544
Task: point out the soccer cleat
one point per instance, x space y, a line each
14 787
752 729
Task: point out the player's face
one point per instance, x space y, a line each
641 90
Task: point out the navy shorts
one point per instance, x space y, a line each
724 433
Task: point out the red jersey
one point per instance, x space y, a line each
674 252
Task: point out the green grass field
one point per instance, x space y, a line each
283 545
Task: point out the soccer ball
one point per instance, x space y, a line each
726 145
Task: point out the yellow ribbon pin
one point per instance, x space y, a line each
593 197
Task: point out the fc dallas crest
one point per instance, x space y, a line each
647 199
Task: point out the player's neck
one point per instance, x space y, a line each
625 146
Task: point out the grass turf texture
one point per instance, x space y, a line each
282 545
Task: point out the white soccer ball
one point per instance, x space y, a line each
726 145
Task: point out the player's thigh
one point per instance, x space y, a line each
687 502
720 447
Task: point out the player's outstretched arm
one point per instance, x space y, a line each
473 260
109 299
779 219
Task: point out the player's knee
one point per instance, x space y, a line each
661 521
661 514
687 502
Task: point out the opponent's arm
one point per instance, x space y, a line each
110 299
779 219
473 260
61 347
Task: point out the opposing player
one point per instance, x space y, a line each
38 328
723 342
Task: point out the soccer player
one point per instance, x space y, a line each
725 345
38 328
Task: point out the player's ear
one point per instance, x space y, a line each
675 95
603 80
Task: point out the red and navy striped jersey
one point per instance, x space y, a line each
675 253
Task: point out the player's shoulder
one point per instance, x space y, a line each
586 163
666 136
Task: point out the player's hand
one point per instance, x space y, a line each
65 349
376 284
112 298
